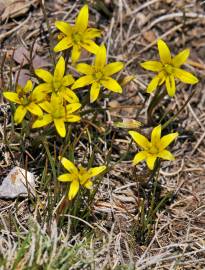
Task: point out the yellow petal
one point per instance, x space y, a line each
96 171
59 69
83 81
152 65
74 187
111 84
38 96
151 161
94 91
72 107
164 52
81 22
75 54
72 118
139 157
90 46
88 184
69 96
112 68
44 121
84 68
180 58
156 135
64 27
185 76
165 154
100 59
68 165
153 84
44 75
170 85
64 44
19 114
28 87
12 97
60 126
91 33
140 139
68 80
167 139
66 177
34 109
46 106
44 87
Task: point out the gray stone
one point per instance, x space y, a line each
17 183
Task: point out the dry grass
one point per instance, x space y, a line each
112 239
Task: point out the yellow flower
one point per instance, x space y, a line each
78 176
154 149
57 113
57 83
27 100
99 74
168 69
77 36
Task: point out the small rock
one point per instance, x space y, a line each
17 183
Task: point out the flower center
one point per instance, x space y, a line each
153 150
77 37
58 112
98 75
56 85
168 69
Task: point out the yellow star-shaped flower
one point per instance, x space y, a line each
156 148
78 176
58 82
77 36
168 69
57 113
28 100
99 74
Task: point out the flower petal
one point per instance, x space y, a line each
13 97
44 75
164 52
68 165
152 65
75 54
111 84
64 27
59 69
44 88
180 58
38 96
83 81
84 68
34 109
165 154
90 46
151 161
81 22
19 114
141 140
94 91
100 59
170 85
153 84
28 87
60 126
88 184
96 171
74 187
91 33
44 121
46 106
113 68
167 139
156 135
64 44
184 76
68 80
139 157
69 96
66 177
72 118
72 107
